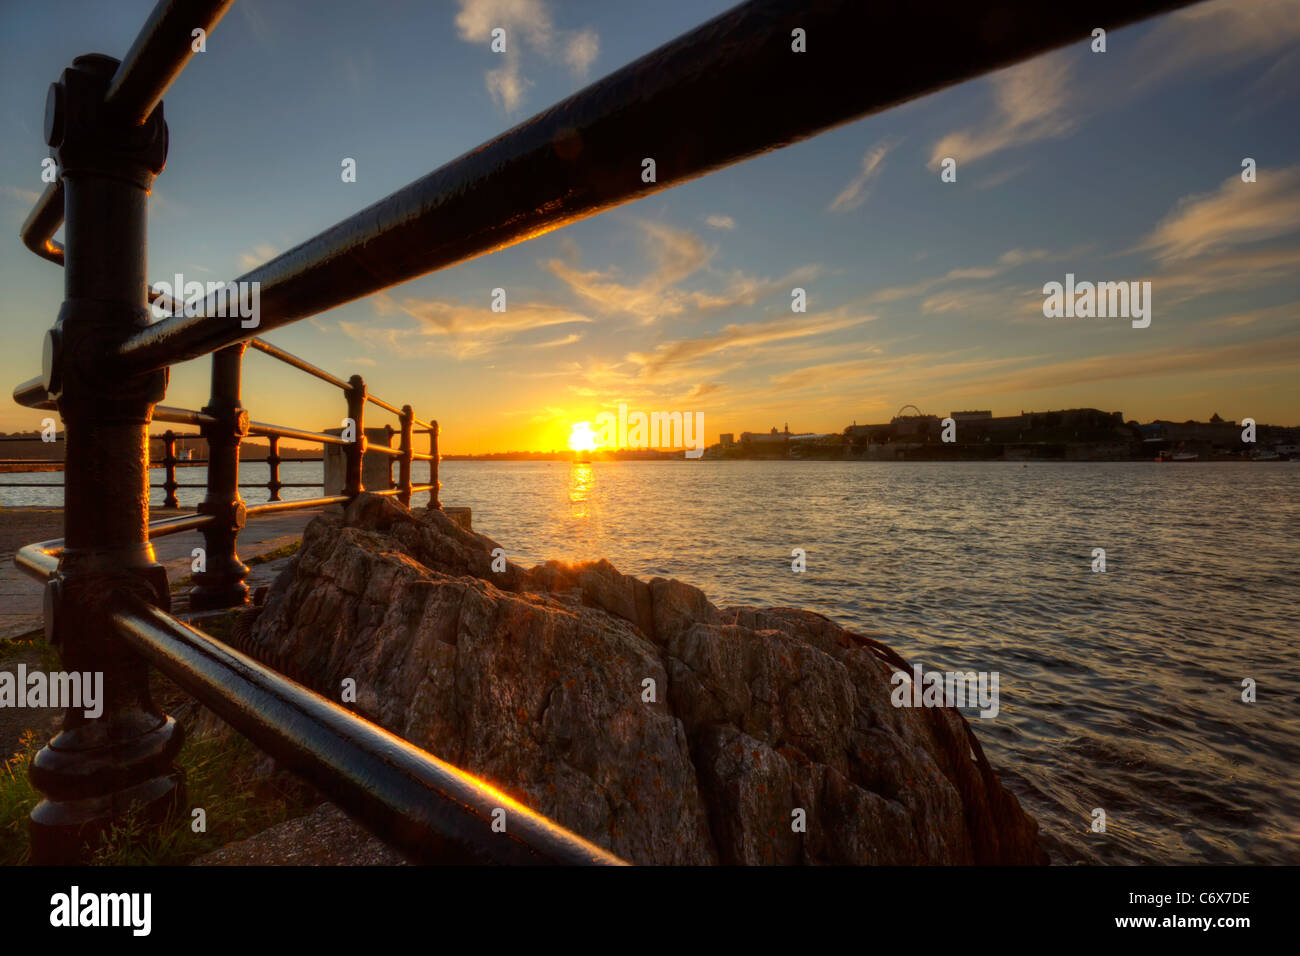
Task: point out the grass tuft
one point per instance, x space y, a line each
225 775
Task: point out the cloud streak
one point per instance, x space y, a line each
748 335
463 331
675 255
1030 103
858 189
1235 213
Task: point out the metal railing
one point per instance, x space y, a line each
728 90
405 454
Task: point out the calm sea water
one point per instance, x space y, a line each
1120 691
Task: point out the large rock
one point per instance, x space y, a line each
537 681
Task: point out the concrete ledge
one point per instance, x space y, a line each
461 516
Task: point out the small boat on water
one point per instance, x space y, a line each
1177 456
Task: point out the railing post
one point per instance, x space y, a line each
273 461
356 450
101 768
169 465
404 463
435 501
221 583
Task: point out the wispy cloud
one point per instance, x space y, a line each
1236 213
856 192
1033 101
527 23
1234 269
458 329
1288 312
745 289
745 335
1030 103
978 302
1214 37
257 25
1018 257
21 202
28 196
828 374
580 51
260 253
996 179
719 221
1217 358
674 255
1011 259
555 343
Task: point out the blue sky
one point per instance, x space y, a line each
1114 166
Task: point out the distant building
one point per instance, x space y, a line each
727 439
1220 433
773 438
972 416
918 424
768 444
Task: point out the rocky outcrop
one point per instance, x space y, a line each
636 713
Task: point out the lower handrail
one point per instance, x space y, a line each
422 806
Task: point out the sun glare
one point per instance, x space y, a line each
582 438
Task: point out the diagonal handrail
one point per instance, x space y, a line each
722 93
160 52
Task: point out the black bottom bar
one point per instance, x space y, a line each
917 910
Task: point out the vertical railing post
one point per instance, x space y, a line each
273 462
116 758
221 582
169 470
404 463
435 501
355 451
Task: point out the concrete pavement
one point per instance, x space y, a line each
20 595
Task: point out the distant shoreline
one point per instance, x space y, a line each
8 469
600 459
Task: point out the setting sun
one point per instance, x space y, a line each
582 438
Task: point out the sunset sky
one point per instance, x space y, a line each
1114 167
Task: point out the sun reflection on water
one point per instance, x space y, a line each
581 480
